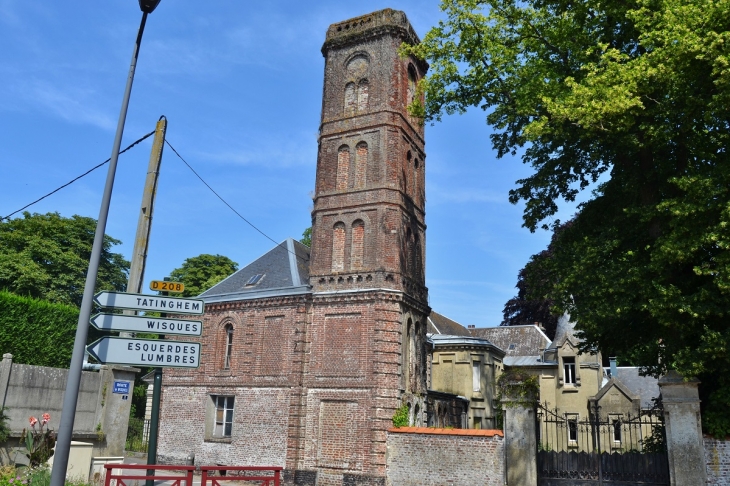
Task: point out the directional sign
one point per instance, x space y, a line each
165 286
161 325
146 352
174 305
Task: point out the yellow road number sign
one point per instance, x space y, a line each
162 286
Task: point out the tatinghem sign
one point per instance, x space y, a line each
140 302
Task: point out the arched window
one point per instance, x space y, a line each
338 247
343 167
350 99
411 90
357 246
413 357
407 345
362 96
229 347
361 163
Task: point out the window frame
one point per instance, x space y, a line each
569 371
222 428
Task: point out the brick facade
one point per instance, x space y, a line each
432 457
313 378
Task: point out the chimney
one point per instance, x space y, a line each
471 326
614 371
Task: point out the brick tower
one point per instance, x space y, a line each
369 303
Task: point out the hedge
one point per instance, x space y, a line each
38 332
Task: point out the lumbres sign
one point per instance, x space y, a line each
140 302
160 325
146 352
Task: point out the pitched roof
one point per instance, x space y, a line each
440 324
283 270
647 387
565 330
515 340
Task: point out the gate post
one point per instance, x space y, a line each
683 426
520 438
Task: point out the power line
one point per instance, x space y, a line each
229 206
77 178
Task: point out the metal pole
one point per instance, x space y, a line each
70 397
155 414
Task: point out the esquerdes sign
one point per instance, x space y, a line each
161 325
146 352
159 303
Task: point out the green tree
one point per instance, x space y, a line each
636 93
202 272
46 256
307 237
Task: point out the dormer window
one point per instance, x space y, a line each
569 370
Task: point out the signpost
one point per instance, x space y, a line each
165 286
140 302
122 322
146 352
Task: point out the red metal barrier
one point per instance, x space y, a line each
240 474
120 479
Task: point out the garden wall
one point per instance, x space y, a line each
717 457
420 456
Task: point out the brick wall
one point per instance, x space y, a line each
717 457
420 456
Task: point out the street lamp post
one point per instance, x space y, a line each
70 397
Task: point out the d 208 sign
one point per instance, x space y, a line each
146 352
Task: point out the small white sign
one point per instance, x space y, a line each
146 352
159 303
158 325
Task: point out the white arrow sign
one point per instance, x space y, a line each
146 352
160 325
157 303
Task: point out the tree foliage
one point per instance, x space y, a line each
46 256
307 237
637 94
527 308
202 272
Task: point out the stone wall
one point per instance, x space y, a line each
717 457
102 416
420 456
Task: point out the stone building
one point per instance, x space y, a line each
305 357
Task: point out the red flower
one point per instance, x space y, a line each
46 418
33 421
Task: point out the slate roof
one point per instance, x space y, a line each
449 340
523 340
565 330
647 387
284 270
440 324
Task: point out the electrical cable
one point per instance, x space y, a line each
77 178
231 207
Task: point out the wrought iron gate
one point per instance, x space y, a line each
608 450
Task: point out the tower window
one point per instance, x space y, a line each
338 248
362 96
361 163
350 99
411 93
343 167
357 247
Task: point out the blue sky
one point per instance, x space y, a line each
241 86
